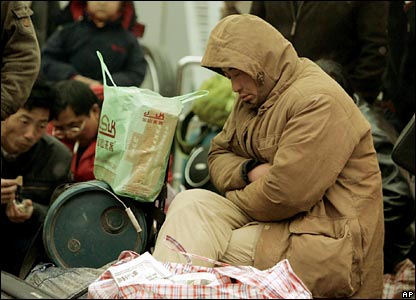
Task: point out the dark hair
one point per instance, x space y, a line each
41 96
336 71
75 94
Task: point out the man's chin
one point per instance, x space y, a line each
21 149
251 105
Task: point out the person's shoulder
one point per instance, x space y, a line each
128 35
82 24
20 12
69 33
55 146
70 27
53 158
10 5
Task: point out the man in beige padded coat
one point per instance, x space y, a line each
297 166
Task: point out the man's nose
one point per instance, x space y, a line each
31 132
236 86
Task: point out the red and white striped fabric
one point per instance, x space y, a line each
236 282
400 284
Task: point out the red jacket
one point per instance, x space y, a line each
84 171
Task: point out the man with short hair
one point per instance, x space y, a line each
75 122
44 164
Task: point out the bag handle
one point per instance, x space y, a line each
182 98
180 249
104 69
192 96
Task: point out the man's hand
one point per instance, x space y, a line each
96 86
87 80
8 190
258 172
19 212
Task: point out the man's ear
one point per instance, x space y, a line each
96 110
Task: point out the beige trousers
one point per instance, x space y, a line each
209 225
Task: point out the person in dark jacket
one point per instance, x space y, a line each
399 76
44 164
70 53
399 203
20 56
74 11
353 33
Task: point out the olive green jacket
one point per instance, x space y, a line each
322 199
20 56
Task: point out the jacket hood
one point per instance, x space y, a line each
248 43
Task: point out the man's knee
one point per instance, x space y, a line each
192 197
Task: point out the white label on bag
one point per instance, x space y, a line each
200 278
143 269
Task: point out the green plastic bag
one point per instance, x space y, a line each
135 136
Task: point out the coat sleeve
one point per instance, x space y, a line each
372 36
134 70
225 165
54 66
20 56
313 149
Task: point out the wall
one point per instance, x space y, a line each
179 29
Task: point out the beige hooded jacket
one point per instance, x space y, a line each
322 199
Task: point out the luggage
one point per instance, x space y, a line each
135 136
132 278
13 287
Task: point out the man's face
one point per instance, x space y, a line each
23 129
70 127
242 84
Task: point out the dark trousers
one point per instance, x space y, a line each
17 238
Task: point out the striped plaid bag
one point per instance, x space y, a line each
235 282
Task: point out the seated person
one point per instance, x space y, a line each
75 122
74 11
296 163
399 203
70 52
42 161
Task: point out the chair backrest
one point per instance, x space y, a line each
159 77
